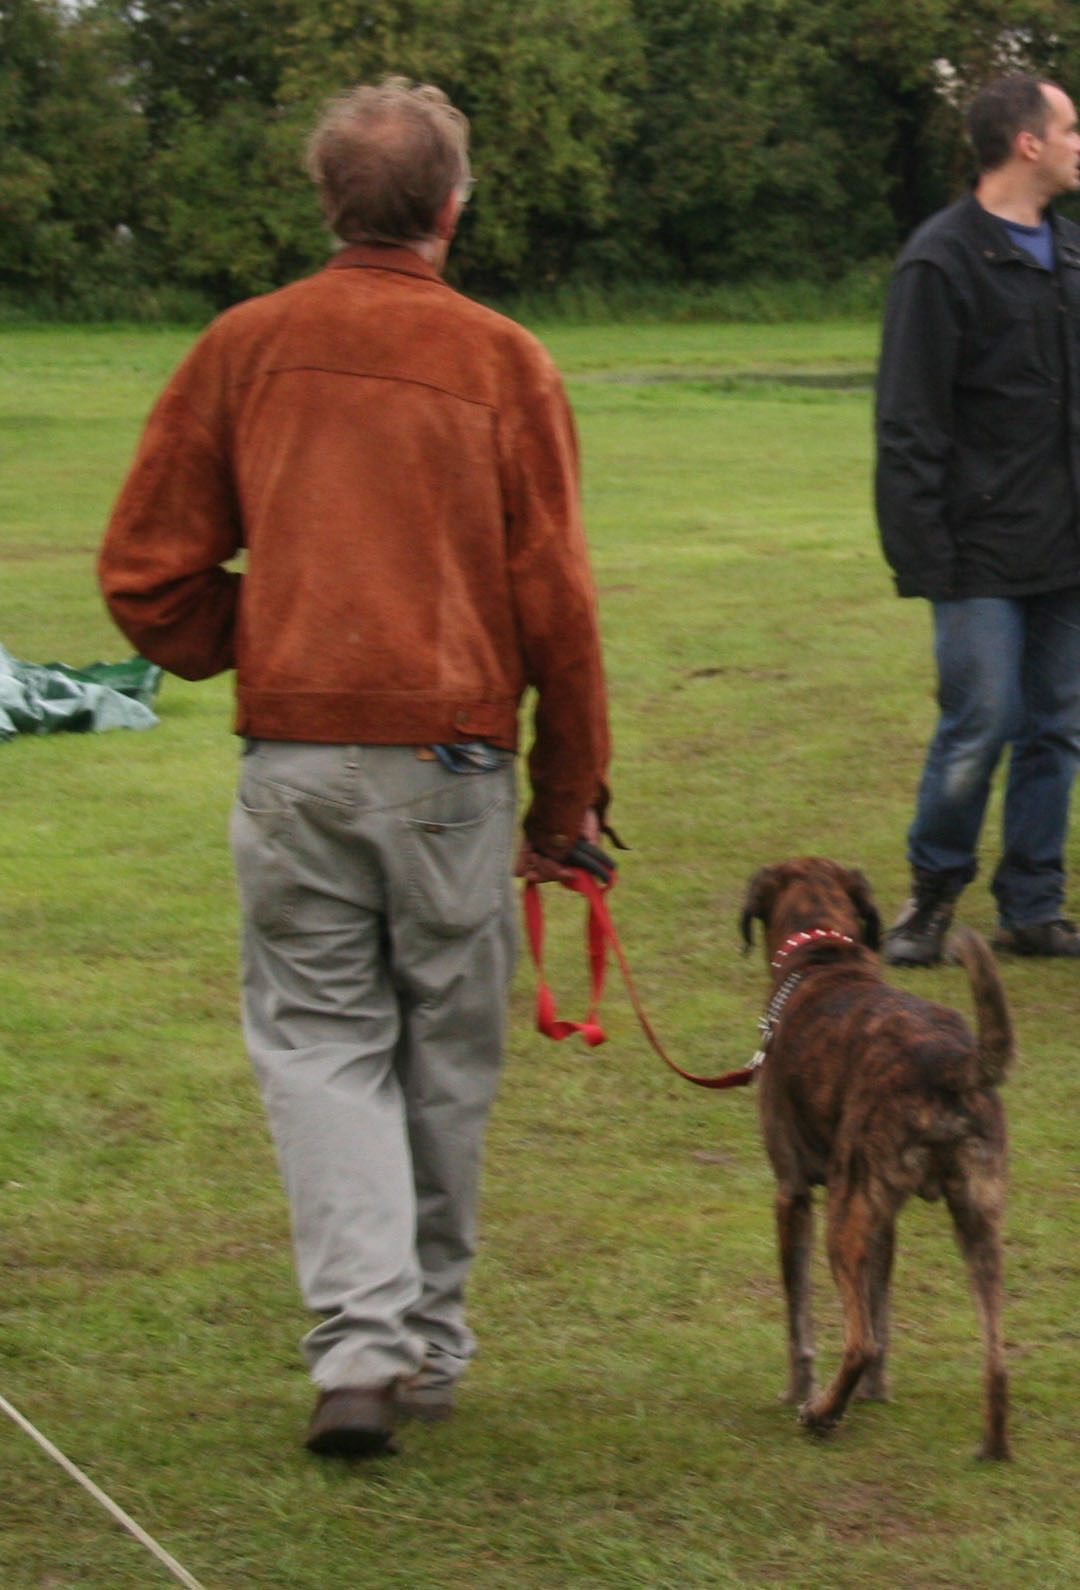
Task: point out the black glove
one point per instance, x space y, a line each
590 858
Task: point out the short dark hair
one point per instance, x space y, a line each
1002 109
386 157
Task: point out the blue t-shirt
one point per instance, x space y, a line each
1038 240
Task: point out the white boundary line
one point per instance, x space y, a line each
99 1495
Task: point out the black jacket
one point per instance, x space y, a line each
978 412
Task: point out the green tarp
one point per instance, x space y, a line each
40 698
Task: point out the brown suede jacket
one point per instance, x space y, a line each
399 466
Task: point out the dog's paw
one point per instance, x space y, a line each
997 1450
818 1418
798 1395
872 1391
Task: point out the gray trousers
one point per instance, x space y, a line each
378 944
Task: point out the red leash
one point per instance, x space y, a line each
600 934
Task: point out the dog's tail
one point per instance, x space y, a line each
996 1044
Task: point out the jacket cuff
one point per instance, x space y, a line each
553 829
934 588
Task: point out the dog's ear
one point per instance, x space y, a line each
760 893
859 893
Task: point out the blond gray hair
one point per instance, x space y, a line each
386 157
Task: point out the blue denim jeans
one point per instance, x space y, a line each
1008 674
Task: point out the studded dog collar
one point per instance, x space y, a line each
795 941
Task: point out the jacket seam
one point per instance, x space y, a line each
365 375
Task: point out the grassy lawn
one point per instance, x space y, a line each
620 1428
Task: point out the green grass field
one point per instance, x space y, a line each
620 1428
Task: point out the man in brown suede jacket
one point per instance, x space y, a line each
399 466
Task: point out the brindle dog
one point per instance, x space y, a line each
875 1094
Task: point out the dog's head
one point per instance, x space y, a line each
809 892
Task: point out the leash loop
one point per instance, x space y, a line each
600 936
547 1021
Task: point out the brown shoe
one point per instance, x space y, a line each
423 1397
353 1422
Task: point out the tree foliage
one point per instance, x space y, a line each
72 149
145 142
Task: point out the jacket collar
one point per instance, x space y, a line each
997 244
991 231
383 257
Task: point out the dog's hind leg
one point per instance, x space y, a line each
978 1230
794 1224
853 1230
874 1385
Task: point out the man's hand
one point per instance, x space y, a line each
590 858
535 867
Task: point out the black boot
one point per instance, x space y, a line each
1059 937
917 937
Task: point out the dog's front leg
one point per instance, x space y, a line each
852 1232
794 1222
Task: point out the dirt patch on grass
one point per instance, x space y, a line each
867 1511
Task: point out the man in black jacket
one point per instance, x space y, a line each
978 499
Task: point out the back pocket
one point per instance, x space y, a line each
456 873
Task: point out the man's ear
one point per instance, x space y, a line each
447 219
1027 144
